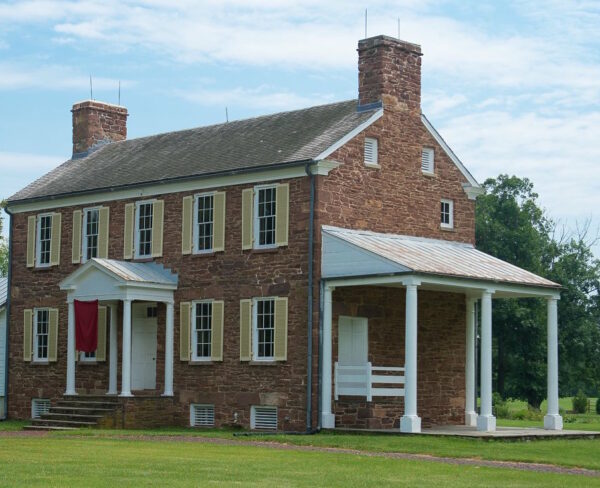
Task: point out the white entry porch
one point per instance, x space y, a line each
139 287
413 266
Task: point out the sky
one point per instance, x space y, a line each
512 86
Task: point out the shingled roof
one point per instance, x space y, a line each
261 142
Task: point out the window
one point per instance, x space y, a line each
263 417
87 357
44 233
201 331
41 329
264 329
265 216
371 156
204 223
91 219
427 160
143 236
202 415
447 214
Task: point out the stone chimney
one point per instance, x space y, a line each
389 70
97 123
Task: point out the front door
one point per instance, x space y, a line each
143 346
353 341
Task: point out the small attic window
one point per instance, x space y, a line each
427 165
371 152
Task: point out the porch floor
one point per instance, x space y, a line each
509 433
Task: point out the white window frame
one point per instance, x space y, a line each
84 235
196 226
136 229
375 162
85 359
38 242
36 358
193 337
431 151
450 224
256 223
255 356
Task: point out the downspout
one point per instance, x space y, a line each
320 376
309 349
7 328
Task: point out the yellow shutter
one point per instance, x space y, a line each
281 326
245 330
219 222
55 240
186 225
76 251
31 231
158 212
27 331
103 232
247 217
282 214
128 233
184 331
216 347
52 334
101 349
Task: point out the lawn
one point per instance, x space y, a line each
71 461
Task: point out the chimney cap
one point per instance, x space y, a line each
112 107
383 40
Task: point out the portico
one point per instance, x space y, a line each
111 282
416 266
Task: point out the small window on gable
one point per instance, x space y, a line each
371 156
447 214
427 160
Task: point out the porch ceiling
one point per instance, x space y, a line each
441 265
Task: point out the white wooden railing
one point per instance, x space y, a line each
360 380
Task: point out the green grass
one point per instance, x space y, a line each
63 461
12 425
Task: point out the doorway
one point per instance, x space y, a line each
353 341
144 327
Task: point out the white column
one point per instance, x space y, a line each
113 353
126 356
327 417
486 422
553 420
169 350
410 421
470 413
70 390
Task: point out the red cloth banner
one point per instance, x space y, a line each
86 326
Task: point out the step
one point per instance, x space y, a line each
92 398
71 416
63 423
47 427
75 403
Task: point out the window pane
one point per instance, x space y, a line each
266 216
145 229
202 334
45 234
41 334
91 234
265 325
205 212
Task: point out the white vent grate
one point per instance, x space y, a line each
39 407
427 160
202 415
370 151
263 418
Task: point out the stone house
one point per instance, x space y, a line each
302 270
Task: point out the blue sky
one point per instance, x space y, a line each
513 86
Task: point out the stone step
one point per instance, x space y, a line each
62 423
81 410
87 404
93 398
71 416
47 427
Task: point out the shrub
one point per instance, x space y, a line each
580 402
598 406
502 411
528 414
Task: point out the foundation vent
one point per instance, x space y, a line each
263 418
39 407
202 415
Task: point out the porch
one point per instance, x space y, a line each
415 274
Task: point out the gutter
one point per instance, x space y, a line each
8 295
309 349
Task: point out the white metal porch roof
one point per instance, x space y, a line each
349 253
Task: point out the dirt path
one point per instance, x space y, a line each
523 466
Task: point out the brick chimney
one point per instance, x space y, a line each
97 123
389 70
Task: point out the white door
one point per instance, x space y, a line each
143 347
353 341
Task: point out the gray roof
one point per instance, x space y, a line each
438 257
139 272
3 291
271 140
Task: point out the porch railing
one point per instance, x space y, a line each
360 380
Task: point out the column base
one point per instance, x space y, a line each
553 422
327 421
110 392
167 394
410 424
486 423
126 394
70 393
471 419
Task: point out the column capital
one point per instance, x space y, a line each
552 298
410 281
487 292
